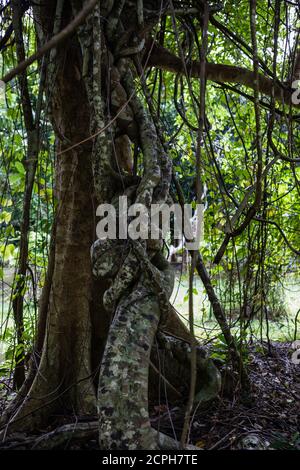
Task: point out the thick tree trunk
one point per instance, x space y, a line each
76 324
64 378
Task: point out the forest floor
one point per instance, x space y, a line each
270 419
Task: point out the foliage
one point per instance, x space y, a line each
250 277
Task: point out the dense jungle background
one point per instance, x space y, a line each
133 344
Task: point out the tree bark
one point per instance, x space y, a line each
64 379
73 323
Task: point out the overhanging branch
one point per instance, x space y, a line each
164 59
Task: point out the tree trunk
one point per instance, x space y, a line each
76 322
64 379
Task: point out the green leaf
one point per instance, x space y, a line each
20 168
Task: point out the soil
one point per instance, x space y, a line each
270 419
267 419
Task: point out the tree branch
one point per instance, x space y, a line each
164 59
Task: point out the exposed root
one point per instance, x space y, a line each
80 433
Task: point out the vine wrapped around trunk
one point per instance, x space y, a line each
123 384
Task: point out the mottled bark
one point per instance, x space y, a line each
123 384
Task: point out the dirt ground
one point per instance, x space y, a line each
268 419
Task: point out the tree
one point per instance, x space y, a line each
100 107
